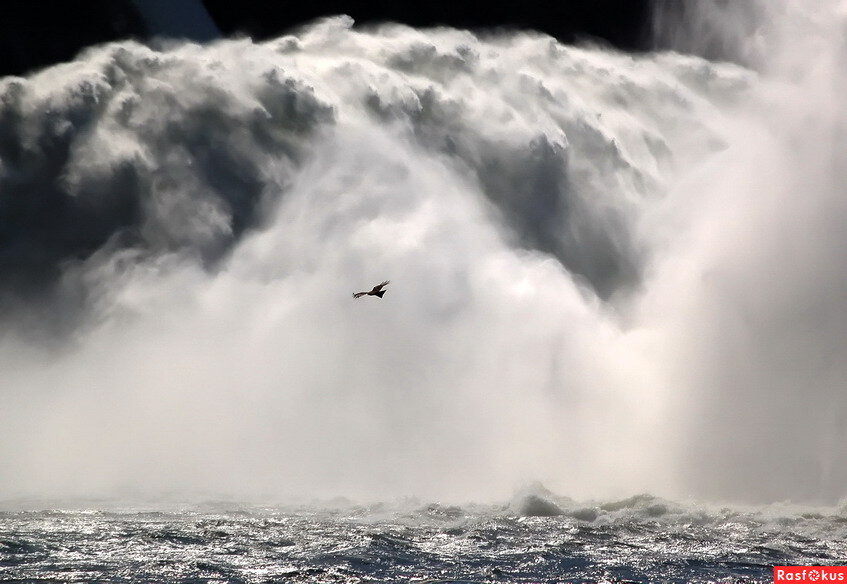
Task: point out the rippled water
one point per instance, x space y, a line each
642 539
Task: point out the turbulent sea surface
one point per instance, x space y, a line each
536 538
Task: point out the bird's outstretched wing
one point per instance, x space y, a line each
375 291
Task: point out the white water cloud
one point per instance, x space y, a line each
601 272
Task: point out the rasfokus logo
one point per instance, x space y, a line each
803 574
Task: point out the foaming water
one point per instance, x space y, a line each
609 273
638 539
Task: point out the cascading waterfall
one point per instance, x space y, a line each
609 273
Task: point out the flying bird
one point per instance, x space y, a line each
377 291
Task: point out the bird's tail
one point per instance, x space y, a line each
380 293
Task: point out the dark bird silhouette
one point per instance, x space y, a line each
377 291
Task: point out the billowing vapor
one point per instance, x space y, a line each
609 273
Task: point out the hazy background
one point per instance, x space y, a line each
611 272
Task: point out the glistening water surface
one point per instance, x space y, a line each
640 539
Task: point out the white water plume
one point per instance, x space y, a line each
609 273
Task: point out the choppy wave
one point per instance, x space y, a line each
640 539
